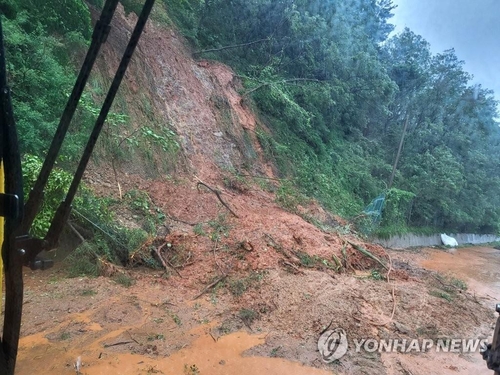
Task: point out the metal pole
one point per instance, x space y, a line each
64 208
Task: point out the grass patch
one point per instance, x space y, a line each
376 275
198 230
441 294
314 261
88 292
306 260
224 328
238 287
248 316
236 183
157 336
275 351
288 197
447 287
191 370
176 320
220 227
123 280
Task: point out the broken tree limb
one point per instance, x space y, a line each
210 333
367 253
75 231
164 261
137 342
281 82
230 47
217 194
449 286
338 264
117 343
294 267
209 286
181 221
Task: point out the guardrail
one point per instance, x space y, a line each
415 240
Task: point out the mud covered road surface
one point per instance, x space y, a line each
155 326
479 266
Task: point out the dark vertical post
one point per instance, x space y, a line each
99 35
12 258
63 210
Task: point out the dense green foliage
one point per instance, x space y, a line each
44 39
335 90
40 43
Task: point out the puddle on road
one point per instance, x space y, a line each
479 266
223 357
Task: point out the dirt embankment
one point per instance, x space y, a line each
201 102
263 281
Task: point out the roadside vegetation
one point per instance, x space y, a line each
333 92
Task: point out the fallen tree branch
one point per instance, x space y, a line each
446 285
181 221
137 342
230 47
75 231
460 290
281 82
117 343
209 286
293 266
165 261
210 333
367 253
217 194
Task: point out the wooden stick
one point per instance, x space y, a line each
78 234
217 194
137 342
182 221
117 343
295 267
211 285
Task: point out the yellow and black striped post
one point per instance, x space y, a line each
2 191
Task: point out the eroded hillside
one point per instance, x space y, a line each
243 260
202 102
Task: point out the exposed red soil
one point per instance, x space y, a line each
291 278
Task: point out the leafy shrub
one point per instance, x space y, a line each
55 191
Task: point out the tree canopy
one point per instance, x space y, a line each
332 85
337 133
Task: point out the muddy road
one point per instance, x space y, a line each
155 326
